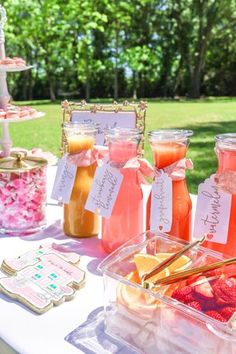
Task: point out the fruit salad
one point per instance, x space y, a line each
135 300
213 293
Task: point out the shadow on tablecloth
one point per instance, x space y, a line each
91 338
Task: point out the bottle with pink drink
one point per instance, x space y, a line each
226 153
126 219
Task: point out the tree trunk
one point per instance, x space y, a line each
87 89
51 91
134 86
116 68
195 83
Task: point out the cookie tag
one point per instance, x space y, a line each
104 190
212 212
64 180
161 203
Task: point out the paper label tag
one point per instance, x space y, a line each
212 212
64 180
161 203
104 190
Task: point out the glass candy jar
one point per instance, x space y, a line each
127 218
169 148
22 194
79 222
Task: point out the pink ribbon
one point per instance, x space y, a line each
144 168
88 157
226 181
176 170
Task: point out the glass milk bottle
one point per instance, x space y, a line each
79 222
169 147
126 219
226 154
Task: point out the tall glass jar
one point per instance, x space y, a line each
169 147
22 194
126 219
226 153
79 222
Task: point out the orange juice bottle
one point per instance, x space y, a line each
168 147
126 220
226 153
79 222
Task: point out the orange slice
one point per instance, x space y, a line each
134 299
177 266
146 262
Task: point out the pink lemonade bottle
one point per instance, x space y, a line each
226 153
126 220
168 147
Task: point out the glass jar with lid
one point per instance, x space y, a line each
22 194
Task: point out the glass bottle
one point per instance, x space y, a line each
226 154
126 219
168 147
79 222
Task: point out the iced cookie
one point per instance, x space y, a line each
50 281
13 265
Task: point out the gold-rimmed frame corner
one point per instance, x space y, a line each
139 108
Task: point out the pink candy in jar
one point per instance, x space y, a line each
22 194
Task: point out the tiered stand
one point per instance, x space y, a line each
6 141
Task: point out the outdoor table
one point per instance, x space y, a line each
25 332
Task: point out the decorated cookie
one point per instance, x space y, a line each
30 258
51 280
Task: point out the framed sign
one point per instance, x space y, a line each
125 115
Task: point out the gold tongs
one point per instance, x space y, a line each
167 262
187 273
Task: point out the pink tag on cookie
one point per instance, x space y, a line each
104 190
212 212
161 203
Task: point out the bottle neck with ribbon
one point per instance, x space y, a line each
169 206
80 141
123 145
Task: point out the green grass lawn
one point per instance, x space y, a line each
205 118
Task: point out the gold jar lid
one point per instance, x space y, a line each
18 161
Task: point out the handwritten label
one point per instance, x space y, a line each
105 120
104 190
161 203
212 212
64 180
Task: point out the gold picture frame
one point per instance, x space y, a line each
138 108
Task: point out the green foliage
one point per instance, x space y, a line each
102 48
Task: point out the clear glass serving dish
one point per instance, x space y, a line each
193 316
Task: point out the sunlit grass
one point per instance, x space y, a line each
206 118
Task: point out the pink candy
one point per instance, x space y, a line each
22 201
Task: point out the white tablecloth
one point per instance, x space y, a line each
29 333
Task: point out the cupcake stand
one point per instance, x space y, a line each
8 112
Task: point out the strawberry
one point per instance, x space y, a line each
227 312
188 298
213 273
191 280
216 315
225 292
195 305
204 290
180 294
